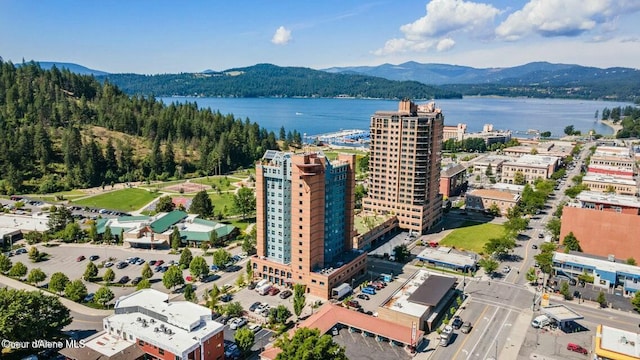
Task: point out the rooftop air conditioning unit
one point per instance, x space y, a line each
155 329
152 321
611 258
138 319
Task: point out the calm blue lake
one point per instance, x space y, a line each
317 116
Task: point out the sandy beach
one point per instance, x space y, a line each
616 127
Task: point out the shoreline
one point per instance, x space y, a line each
615 127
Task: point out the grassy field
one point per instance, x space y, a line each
221 201
242 224
68 195
124 200
223 183
472 236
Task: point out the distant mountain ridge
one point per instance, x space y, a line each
444 74
74 68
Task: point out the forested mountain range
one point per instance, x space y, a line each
537 79
266 80
74 68
60 130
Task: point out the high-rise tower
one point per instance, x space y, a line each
304 221
404 165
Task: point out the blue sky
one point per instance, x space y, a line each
145 36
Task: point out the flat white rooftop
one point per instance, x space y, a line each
535 160
24 222
108 344
591 261
446 255
608 179
561 313
620 341
399 301
508 187
611 199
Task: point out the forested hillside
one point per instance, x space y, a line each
266 80
47 142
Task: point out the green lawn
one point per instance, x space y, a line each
124 200
223 183
68 195
472 236
242 224
220 201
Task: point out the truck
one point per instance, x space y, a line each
264 289
341 291
540 321
445 335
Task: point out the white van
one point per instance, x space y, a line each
261 283
540 321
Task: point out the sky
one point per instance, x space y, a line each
162 36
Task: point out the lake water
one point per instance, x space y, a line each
318 116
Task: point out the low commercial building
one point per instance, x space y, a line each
384 227
604 224
607 272
481 164
532 167
560 149
484 199
456 132
424 299
146 325
330 317
617 171
155 231
606 183
614 156
453 180
446 257
616 344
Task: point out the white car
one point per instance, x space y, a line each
237 323
255 328
506 269
108 264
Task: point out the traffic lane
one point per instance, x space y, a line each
84 322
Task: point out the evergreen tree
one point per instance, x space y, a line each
201 204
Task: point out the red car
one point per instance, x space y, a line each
273 291
189 278
159 262
577 348
80 258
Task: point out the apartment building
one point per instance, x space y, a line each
404 165
606 183
532 167
604 224
453 179
304 221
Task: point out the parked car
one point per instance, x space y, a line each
540 236
285 294
122 265
363 296
89 297
224 319
534 246
353 303
159 262
273 291
94 257
456 322
226 298
262 308
108 264
157 269
237 323
369 290
251 286
24 251
577 348
152 262
214 268
78 259
255 328
132 260
136 280
254 306
124 280
140 261
466 327
189 278
506 269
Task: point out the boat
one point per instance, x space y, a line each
298 113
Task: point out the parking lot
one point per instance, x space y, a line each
548 342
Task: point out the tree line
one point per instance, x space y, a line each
47 141
628 117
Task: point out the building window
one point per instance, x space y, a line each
161 351
140 342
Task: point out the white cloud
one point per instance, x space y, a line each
282 36
443 18
551 18
445 44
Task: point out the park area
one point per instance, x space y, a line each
472 236
124 200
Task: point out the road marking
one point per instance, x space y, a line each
495 338
467 337
483 332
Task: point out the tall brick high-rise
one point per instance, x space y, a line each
404 165
304 221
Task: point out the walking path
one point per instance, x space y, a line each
71 305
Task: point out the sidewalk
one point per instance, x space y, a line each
71 305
